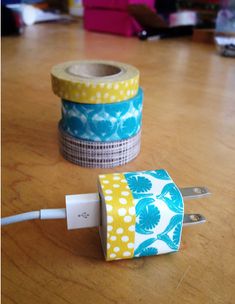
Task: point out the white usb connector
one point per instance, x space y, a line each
83 210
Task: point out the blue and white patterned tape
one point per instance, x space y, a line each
103 122
159 212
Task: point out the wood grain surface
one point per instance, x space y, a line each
188 129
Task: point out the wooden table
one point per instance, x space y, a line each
188 129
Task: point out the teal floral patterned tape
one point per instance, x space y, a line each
159 212
103 122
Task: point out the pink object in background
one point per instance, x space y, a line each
116 4
112 16
110 21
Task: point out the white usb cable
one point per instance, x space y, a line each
83 210
43 214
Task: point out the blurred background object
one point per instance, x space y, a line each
165 8
206 20
15 13
225 22
61 5
75 7
206 11
113 16
11 21
147 18
225 28
31 14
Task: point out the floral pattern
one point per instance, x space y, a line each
159 212
149 217
139 183
103 122
171 196
159 174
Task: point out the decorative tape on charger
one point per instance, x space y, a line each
103 122
95 81
142 214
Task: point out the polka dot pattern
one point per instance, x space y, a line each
120 216
94 91
87 93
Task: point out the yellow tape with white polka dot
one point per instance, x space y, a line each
119 202
95 82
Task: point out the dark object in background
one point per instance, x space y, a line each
146 17
165 7
171 32
154 25
227 50
206 5
62 6
206 10
204 35
11 22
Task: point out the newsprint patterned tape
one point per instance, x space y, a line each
103 122
142 214
95 81
98 154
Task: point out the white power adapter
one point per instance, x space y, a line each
138 213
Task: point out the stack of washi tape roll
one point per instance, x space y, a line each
101 112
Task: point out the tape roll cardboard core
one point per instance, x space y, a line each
90 70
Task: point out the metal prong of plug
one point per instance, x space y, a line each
194 192
193 219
